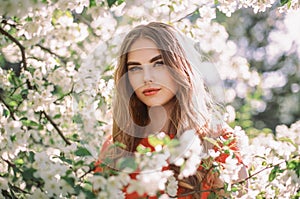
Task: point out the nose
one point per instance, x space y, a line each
148 75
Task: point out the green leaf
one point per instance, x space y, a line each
154 141
294 165
2 60
13 79
13 103
19 161
227 142
75 137
260 196
264 163
28 174
118 144
77 119
13 138
234 189
272 175
142 149
120 2
69 180
286 139
283 2
173 143
30 179
29 123
5 113
87 190
57 116
79 163
28 19
92 3
31 157
274 172
212 195
101 123
227 151
128 162
171 7
111 2
69 161
58 91
82 151
17 97
212 141
297 196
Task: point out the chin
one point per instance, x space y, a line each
153 104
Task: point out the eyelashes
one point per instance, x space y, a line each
158 63
136 68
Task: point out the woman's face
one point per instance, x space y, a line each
149 77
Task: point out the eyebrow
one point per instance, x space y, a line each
151 60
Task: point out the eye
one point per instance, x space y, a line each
135 68
158 63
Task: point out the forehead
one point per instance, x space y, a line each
141 43
143 49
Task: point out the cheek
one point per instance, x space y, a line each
173 87
170 83
135 81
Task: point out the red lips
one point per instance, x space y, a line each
150 91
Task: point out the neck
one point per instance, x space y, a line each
160 118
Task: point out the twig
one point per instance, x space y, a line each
17 188
11 112
87 172
5 22
187 15
64 95
22 48
51 52
8 162
56 127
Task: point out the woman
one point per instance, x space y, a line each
160 89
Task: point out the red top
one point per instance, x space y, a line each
221 158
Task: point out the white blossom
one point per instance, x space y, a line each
172 186
149 182
189 152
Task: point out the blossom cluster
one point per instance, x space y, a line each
149 168
56 98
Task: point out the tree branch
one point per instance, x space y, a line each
22 48
267 167
239 182
56 128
